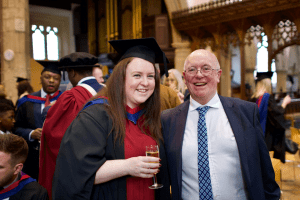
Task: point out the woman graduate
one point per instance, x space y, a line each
102 154
271 115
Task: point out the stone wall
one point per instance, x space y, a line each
15 45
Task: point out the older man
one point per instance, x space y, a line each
214 144
14 184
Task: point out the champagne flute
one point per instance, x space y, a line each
153 150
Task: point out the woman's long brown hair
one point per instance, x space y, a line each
115 92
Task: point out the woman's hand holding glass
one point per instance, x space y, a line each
143 166
153 151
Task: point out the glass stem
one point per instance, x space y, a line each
154 180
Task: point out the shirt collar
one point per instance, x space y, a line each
85 79
44 94
213 103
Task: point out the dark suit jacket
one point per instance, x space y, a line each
29 118
243 117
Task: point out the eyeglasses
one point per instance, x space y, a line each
205 71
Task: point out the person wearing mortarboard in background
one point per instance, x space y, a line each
102 154
24 88
29 114
79 66
271 115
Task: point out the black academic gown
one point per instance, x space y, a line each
31 191
29 118
85 146
275 129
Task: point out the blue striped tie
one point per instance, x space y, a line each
205 189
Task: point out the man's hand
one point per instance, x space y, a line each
36 134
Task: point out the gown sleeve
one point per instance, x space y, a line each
276 114
81 154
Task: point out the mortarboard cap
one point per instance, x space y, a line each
51 66
262 75
19 79
145 48
77 59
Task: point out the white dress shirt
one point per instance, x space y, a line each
224 161
43 95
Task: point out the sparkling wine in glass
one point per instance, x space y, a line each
153 150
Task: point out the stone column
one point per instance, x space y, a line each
250 63
281 80
16 44
182 50
181 42
225 82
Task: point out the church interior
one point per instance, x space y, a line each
247 36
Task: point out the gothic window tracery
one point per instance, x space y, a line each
284 33
45 43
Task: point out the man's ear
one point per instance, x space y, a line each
18 168
72 72
219 74
183 77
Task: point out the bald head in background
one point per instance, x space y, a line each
98 74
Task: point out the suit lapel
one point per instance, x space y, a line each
235 120
180 121
37 109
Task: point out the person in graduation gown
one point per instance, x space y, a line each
271 115
14 184
29 115
102 154
24 88
60 115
